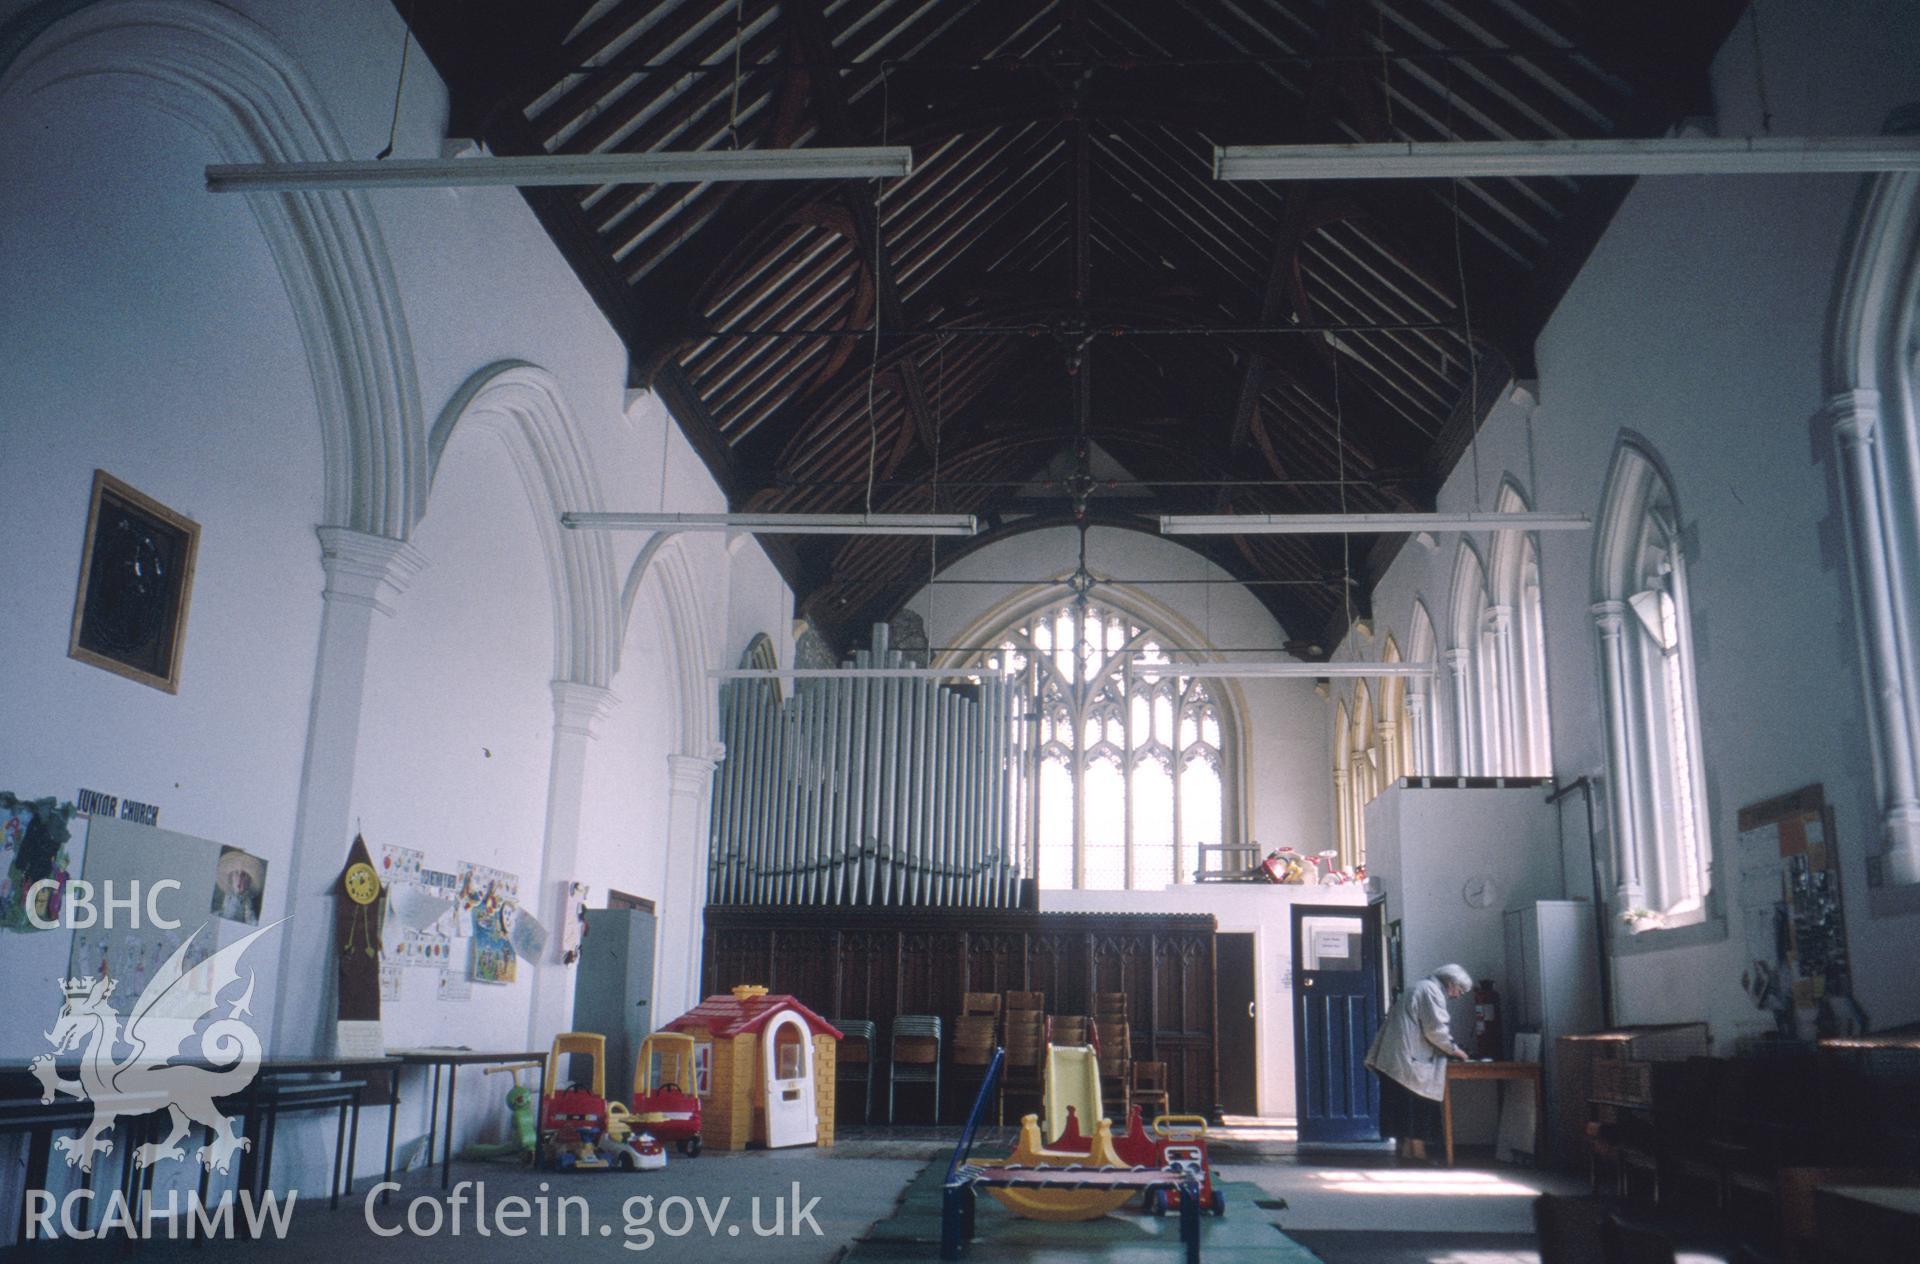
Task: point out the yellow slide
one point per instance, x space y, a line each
1073 1079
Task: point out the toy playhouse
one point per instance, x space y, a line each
768 1070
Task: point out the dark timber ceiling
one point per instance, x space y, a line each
1061 274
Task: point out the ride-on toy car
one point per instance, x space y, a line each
665 1102
580 1130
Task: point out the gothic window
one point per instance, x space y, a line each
1118 777
1662 853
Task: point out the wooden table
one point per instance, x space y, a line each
1867 1224
1524 1072
452 1060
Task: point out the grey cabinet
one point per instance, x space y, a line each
613 988
1553 969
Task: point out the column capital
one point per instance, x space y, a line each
579 708
692 774
1416 703
1456 660
1900 830
1499 618
1609 616
365 569
1854 416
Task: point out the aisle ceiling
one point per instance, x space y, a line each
1061 273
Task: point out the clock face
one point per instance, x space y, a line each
363 885
1481 891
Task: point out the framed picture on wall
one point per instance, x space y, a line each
136 575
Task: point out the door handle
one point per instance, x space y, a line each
1249 1009
1306 983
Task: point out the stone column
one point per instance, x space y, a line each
1610 621
365 574
682 926
1465 739
1885 666
1419 741
1504 705
1343 819
1388 734
577 711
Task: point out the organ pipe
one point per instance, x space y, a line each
866 792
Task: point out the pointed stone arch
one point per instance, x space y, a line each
228 79
1874 411
522 405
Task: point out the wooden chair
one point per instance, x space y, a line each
915 1057
1150 1089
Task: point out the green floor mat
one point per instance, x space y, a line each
1127 1236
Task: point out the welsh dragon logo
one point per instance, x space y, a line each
172 1010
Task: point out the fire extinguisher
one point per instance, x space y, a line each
1486 1020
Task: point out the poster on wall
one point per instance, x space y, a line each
418 930
484 888
455 986
239 884
1792 916
41 841
573 920
493 958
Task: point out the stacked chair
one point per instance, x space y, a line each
1071 1029
1116 1052
854 1065
975 1034
914 1057
1025 1018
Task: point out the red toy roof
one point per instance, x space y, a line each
724 1016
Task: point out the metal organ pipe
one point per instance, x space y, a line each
868 791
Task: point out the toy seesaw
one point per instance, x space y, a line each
1037 1183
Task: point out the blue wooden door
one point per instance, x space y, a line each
1336 1011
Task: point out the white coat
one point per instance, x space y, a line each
1414 1041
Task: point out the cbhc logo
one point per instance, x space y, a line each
77 911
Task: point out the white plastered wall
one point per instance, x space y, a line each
1699 323
147 328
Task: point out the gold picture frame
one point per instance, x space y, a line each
136 580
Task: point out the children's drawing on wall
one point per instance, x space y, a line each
493 959
239 884
41 841
420 910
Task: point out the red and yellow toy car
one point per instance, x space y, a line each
666 1101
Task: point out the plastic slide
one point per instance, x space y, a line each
1073 1079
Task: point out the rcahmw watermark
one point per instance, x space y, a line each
70 1215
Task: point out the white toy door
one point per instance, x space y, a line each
788 1053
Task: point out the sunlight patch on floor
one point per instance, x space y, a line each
1452 1184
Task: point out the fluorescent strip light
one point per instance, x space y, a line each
853 673
778 523
1366 523
1677 156
1282 668
877 162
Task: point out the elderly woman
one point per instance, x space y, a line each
1410 1057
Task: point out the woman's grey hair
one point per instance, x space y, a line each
1456 975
